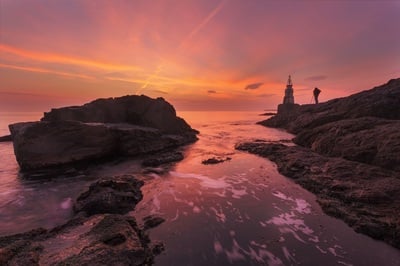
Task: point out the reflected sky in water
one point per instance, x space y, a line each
239 212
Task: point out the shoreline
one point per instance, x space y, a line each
348 156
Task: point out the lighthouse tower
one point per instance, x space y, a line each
289 98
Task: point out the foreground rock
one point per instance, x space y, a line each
90 237
118 196
366 197
105 128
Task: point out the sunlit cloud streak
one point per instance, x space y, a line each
62 59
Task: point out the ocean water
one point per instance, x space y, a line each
240 212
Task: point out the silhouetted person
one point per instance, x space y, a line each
316 94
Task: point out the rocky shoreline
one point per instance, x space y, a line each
348 156
99 233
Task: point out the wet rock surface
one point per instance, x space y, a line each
366 197
118 195
105 128
91 237
163 158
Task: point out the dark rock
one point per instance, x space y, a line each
98 239
43 144
117 195
215 160
131 109
368 140
163 158
152 221
364 196
105 239
105 128
363 127
5 138
382 102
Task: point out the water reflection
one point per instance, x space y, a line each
239 212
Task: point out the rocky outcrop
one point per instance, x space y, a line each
105 128
363 127
91 237
381 102
366 197
119 195
368 140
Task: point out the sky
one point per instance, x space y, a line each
196 54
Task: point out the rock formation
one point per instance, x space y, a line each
129 125
94 236
350 157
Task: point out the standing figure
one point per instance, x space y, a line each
316 94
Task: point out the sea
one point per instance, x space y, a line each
239 212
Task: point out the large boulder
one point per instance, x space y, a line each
131 109
43 144
105 128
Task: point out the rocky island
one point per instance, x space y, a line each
104 128
347 154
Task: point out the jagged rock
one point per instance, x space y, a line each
364 196
105 128
117 195
102 239
368 140
163 158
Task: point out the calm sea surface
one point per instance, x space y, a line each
240 212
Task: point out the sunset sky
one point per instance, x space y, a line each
198 55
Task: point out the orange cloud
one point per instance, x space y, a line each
62 59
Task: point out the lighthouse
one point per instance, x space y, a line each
289 98
288 107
